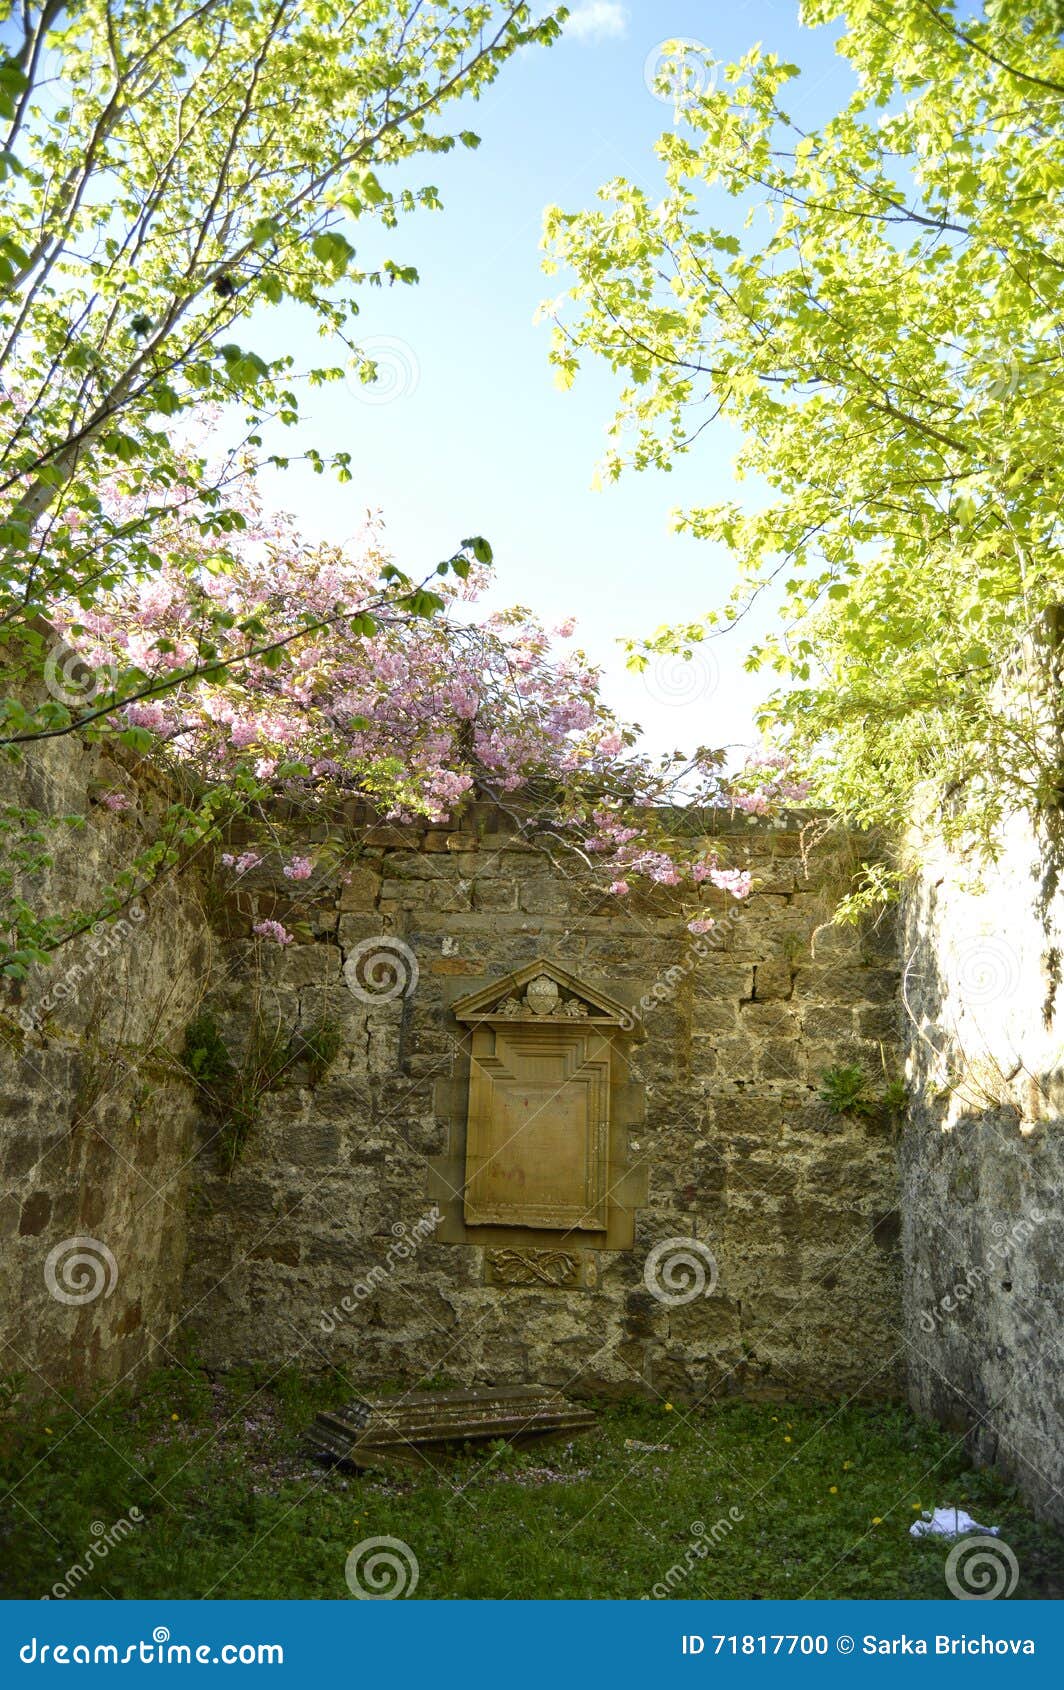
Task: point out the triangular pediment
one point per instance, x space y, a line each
542 991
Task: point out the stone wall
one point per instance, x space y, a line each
123 1233
983 1157
96 1122
320 1248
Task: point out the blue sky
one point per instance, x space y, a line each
476 437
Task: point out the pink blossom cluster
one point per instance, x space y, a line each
274 931
243 864
768 782
305 668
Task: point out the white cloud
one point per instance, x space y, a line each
597 20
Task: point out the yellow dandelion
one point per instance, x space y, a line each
668 1408
834 1489
786 1439
877 1519
175 1416
917 1506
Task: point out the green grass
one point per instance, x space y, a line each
232 1508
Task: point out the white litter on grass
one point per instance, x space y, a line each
950 1522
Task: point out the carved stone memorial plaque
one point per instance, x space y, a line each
538 1160
537 1145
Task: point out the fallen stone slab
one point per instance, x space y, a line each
410 1429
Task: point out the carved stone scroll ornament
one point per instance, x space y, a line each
527 1267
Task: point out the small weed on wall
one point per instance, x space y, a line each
233 1089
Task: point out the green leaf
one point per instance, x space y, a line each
138 739
479 547
264 231
333 249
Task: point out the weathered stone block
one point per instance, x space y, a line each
781 1059
709 1018
883 1023
453 965
304 965
543 896
824 1024
723 979
704 1058
836 945
747 1115
489 893
314 1143
737 1059
772 980
354 928
388 838
360 891
845 985
841 1053
36 1213
769 1020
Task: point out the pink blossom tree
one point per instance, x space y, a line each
314 672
